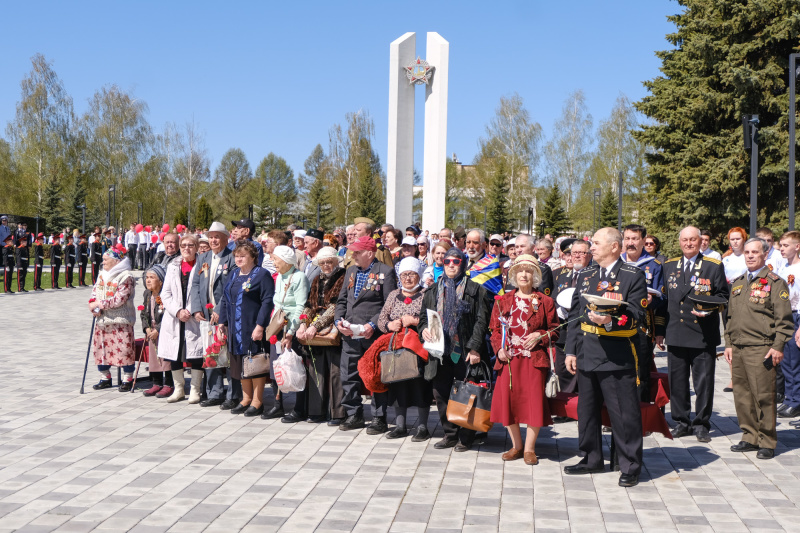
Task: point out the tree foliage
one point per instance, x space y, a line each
609 209
498 216
316 185
553 214
233 176
278 190
204 215
729 58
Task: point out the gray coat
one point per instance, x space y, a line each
198 295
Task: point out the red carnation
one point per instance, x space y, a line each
273 339
212 363
209 306
303 316
92 300
622 320
407 301
497 297
763 281
140 308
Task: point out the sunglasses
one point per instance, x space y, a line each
452 261
649 244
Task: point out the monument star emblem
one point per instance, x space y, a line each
419 72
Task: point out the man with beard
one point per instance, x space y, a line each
524 245
633 243
483 268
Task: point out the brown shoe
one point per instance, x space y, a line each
531 459
512 455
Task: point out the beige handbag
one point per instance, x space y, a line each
278 319
398 364
553 386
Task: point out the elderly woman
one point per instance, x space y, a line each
291 293
179 340
244 312
461 303
521 320
324 392
424 251
112 305
435 271
203 246
152 312
401 310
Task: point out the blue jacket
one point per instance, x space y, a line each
245 307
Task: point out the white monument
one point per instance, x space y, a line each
406 71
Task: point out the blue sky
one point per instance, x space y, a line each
275 76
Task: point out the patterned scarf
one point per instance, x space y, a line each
450 302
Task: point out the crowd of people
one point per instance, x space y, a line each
512 312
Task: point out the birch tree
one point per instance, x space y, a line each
345 153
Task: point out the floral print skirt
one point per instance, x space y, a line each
113 345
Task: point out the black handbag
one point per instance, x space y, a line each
470 403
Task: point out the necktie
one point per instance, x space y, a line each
574 279
750 277
602 274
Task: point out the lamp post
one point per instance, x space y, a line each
530 220
139 213
83 219
750 130
596 204
793 74
541 229
112 189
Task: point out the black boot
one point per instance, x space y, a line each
102 384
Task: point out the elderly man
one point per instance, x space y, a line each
170 251
483 268
245 229
524 245
692 336
600 348
298 239
376 281
312 245
496 248
350 236
211 272
446 234
365 227
759 324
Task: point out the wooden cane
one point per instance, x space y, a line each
139 364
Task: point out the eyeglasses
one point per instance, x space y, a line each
452 261
187 245
578 253
406 275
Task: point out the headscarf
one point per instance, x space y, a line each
451 291
117 252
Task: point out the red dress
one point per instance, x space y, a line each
519 394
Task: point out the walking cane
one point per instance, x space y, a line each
139 364
88 351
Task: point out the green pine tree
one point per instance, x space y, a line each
203 216
181 217
729 59
370 197
51 206
553 214
71 212
498 216
609 210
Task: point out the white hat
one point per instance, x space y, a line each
326 252
202 238
286 254
409 264
299 233
218 227
409 240
512 242
496 237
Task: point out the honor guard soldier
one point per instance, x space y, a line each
38 262
692 334
96 256
70 253
23 261
83 260
610 301
55 261
9 260
759 324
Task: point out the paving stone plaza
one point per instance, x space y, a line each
107 460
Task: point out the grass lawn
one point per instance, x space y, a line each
46 279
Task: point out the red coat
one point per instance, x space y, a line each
541 321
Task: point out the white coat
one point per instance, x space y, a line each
169 336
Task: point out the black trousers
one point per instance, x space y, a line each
68 274
566 380
22 274
142 257
81 274
9 276
701 363
55 272
442 385
96 268
37 276
644 354
132 255
318 374
352 351
617 389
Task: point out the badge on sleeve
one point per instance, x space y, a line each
784 295
644 302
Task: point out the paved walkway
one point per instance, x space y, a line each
112 461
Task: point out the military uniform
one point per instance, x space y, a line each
23 261
38 264
759 318
69 251
9 260
692 340
55 263
565 278
83 261
96 257
607 363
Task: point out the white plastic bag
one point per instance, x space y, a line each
290 372
207 332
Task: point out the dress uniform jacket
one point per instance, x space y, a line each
23 261
198 296
38 265
96 254
9 261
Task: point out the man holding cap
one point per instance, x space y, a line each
692 336
245 229
367 285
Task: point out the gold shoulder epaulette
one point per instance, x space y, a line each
656 261
712 260
673 259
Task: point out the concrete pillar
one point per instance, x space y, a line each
400 157
435 156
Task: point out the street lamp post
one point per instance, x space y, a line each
793 73
113 189
750 130
541 229
530 220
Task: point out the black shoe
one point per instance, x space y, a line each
779 397
583 468
744 447
789 412
397 433
211 402
480 437
765 453
561 419
275 412
702 434
317 419
727 389
126 386
352 422
254 411
239 409
421 435
102 384
293 418
795 423
377 426
335 421
628 480
23 290
680 431
227 405
445 443
461 447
